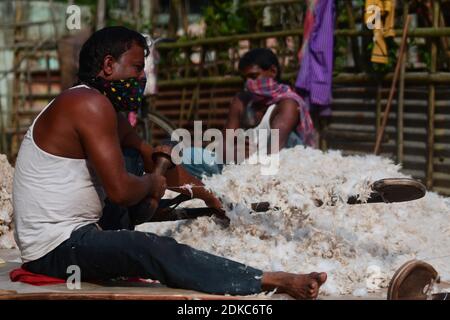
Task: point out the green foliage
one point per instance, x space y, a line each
340 49
223 18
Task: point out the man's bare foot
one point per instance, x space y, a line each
298 286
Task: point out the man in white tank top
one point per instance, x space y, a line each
71 162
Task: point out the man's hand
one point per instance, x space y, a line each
158 186
166 149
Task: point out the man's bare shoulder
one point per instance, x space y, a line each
84 96
85 101
287 105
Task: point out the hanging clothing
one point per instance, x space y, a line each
314 80
307 27
383 29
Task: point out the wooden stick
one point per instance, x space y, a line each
378 107
417 32
401 100
342 78
100 14
432 104
394 81
354 41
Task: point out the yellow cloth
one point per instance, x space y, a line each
384 30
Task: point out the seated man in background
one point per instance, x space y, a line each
266 104
71 160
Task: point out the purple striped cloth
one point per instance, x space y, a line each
268 91
316 70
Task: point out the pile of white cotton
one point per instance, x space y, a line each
6 208
313 229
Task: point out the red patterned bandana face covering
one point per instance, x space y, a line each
125 95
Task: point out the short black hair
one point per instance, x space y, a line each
112 41
263 58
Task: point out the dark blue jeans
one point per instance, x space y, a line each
107 254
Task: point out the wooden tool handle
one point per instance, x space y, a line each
163 162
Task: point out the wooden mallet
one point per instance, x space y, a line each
162 160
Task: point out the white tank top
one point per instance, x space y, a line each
52 196
263 124
265 121
293 138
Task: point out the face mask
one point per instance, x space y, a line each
262 89
125 95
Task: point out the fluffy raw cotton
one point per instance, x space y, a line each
6 208
313 229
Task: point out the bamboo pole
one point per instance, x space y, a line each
418 32
101 12
411 77
256 4
25 24
444 40
400 99
154 12
401 111
432 103
53 19
394 81
18 36
173 19
354 41
137 14
3 147
184 17
184 92
378 107
343 78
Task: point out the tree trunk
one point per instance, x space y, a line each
101 12
173 18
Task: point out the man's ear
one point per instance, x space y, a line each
107 67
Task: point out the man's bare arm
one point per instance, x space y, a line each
234 122
97 128
130 139
234 114
285 118
176 177
179 177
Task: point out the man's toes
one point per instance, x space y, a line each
313 294
322 278
313 285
